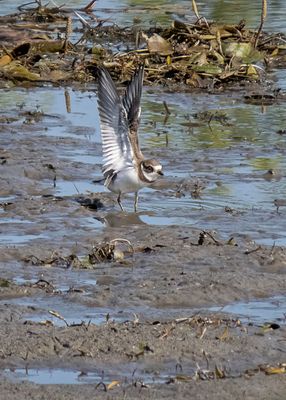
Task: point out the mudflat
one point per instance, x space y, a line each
184 299
158 338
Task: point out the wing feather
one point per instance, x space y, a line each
116 146
131 102
132 97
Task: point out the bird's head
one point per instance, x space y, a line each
151 169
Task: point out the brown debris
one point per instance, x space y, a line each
204 54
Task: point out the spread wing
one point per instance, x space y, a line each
131 103
116 146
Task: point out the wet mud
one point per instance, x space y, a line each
113 304
137 323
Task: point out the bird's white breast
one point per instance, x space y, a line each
126 181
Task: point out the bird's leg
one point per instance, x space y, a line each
136 202
119 202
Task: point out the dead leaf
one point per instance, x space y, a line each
251 71
14 70
242 51
4 60
57 75
275 370
195 80
183 378
238 50
219 373
224 335
46 323
57 315
112 384
158 45
209 69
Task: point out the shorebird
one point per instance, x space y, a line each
124 167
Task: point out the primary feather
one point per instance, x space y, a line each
131 103
116 146
132 97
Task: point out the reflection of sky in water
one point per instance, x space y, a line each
260 311
58 376
51 101
247 122
74 314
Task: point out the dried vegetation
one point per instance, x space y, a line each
57 44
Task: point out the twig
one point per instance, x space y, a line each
68 101
83 20
218 39
88 8
211 236
252 251
167 110
195 9
76 188
67 33
272 249
57 315
263 17
22 6
116 240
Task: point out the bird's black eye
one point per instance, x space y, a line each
149 168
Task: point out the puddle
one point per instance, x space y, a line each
72 312
81 121
6 199
77 277
58 376
17 238
16 233
75 312
258 311
66 188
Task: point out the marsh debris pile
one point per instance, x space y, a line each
57 44
114 250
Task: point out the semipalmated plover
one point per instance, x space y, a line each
125 169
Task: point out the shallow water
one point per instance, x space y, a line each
57 376
71 312
258 311
230 161
77 310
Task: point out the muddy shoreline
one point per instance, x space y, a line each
153 325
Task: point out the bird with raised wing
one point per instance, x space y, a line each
124 167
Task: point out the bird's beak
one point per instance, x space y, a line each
160 173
